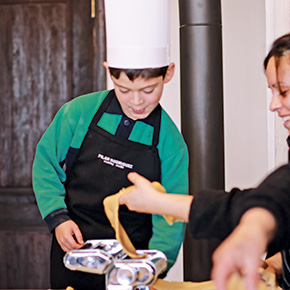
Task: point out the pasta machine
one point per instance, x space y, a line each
108 257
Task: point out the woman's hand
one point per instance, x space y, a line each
140 198
145 198
241 252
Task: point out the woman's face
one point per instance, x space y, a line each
279 83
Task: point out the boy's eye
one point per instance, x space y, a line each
148 91
124 91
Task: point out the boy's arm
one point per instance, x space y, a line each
48 175
168 238
67 129
174 177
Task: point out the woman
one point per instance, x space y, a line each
250 221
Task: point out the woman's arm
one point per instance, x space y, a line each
145 198
243 248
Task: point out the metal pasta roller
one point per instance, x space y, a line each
135 274
96 256
107 257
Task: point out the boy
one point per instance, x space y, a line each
95 140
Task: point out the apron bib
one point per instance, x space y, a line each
101 169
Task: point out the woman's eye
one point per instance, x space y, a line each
284 93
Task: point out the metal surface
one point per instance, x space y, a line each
201 114
136 273
107 257
97 256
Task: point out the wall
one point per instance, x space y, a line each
245 102
254 136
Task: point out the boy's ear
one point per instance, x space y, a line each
169 73
105 64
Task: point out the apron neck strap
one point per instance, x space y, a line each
156 113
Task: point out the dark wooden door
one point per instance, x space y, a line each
50 52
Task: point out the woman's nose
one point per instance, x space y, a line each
275 102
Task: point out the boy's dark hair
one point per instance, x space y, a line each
146 73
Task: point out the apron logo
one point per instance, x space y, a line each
114 162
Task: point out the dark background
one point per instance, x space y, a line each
50 52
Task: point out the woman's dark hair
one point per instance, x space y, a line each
278 49
132 74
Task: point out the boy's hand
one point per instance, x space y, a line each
69 236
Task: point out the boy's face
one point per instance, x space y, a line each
140 97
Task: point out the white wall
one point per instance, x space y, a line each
171 95
245 101
254 136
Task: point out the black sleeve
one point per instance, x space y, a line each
56 218
212 213
215 213
274 194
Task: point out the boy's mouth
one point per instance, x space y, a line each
141 111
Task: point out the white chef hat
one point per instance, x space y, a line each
137 33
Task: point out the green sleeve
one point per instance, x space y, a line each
67 129
174 177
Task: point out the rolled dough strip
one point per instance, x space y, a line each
111 204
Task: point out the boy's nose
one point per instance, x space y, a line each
136 99
275 102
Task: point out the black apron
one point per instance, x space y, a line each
101 169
